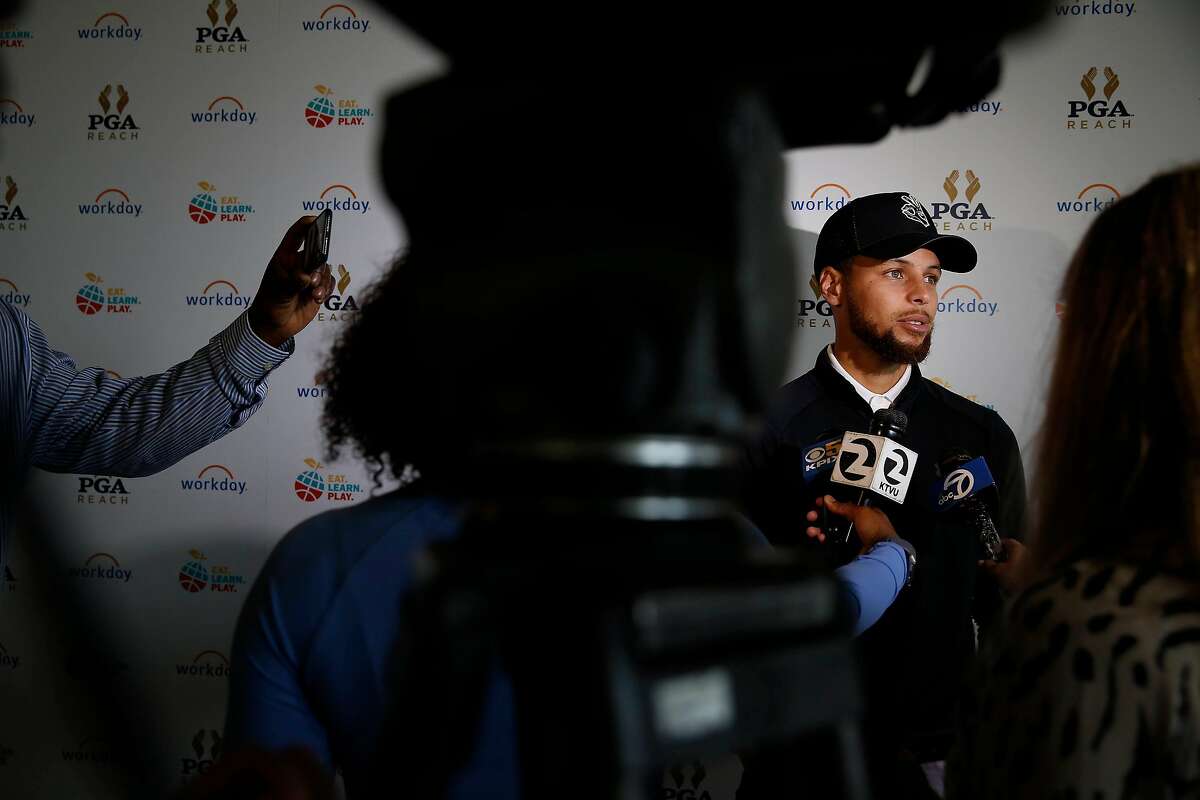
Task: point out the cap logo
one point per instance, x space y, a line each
913 209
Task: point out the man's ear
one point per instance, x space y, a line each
833 285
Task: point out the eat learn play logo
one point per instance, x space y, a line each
313 484
326 110
94 298
204 207
199 575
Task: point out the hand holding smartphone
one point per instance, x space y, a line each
316 241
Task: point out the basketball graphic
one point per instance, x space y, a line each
202 208
90 299
309 486
319 112
193 577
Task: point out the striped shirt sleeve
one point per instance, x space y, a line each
88 421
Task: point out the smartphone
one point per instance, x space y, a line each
316 241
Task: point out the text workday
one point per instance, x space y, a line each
111 26
1092 199
219 294
329 199
833 196
13 115
101 567
214 479
227 111
337 18
966 300
112 202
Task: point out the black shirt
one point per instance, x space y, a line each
915 656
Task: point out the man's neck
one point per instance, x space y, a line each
866 366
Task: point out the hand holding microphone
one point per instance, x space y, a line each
873 525
876 463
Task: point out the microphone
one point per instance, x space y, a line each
876 463
967 484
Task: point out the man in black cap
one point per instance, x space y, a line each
878 263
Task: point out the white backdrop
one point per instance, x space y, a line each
277 111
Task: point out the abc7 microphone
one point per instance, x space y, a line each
875 463
965 485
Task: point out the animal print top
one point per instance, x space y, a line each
1092 691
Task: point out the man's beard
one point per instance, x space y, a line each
886 345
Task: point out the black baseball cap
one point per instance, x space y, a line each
889 225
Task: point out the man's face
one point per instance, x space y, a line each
890 305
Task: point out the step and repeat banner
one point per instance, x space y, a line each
153 154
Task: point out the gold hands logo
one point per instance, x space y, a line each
1089 86
344 279
10 190
214 16
106 93
816 287
949 185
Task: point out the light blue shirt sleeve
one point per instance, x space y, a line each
873 581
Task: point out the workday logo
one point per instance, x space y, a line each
102 567
337 18
1094 113
1092 8
113 124
218 294
214 479
112 202
987 108
961 212
315 392
9 293
1091 200
206 664
225 111
336 197
323 110
966 300
111 26
828 197
13 115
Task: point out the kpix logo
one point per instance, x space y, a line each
101 567
218 294
961 213
214 479
828 197
336 18
8 661
321 111
111 202
1092 199
12 216
195 576
816 313
221 39
12 115
964 299
111 26
9 293
102 490
311 484
206 664
91 299
13 35
113 124
339 306
206 746
203 208
1093 113
227 111
336 197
